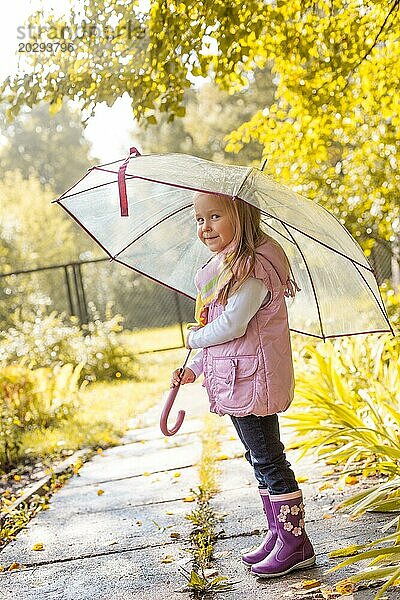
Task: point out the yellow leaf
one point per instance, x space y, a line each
139 523
14 565
310 583
100 492
175 535
177 474
302 478
189 499
351 480
146 474
55 107
38 546
167 559
327 516
325 486
169 512
344 587
222 457
100 450
17 477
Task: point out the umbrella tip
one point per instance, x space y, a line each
134 151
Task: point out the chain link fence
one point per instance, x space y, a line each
91 289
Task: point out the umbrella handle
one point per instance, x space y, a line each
165 414
168 406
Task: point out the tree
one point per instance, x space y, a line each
210 115
52 149
332 130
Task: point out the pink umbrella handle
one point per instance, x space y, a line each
169 404
165 413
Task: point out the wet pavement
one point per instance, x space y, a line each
117 530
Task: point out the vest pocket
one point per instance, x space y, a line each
234 381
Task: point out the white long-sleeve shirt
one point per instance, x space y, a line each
231 323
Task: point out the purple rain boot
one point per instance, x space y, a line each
293 549
266 546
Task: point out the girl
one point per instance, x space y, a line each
246 359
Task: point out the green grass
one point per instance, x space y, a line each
146 340
106 408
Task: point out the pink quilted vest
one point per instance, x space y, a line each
253 374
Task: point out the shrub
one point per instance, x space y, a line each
33 399
44 340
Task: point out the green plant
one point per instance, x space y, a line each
46 340
347 409
204 518
33 399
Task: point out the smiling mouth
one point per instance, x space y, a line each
211 238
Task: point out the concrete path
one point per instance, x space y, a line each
127 542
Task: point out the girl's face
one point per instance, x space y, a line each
214 228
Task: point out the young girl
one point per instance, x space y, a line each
246 359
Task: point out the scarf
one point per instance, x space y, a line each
210 280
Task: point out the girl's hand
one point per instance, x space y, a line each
187 377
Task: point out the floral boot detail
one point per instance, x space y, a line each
293 549
268 543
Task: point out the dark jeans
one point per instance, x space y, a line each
266 453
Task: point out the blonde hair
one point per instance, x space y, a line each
246 221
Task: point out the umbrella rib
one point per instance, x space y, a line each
120 262
152 227
311 281
85 229
278 232
127 176
378 303
353 260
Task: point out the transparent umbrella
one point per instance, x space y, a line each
140 211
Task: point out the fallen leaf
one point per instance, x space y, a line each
327 516
100 492
167 559
139 523
351 480
345 587
325 486
38 546
17 477
99 450
189 499
14 565
302 478
169 512
177 474
310 583
175 535
222 457
146 474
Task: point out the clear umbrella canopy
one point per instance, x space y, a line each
339 294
